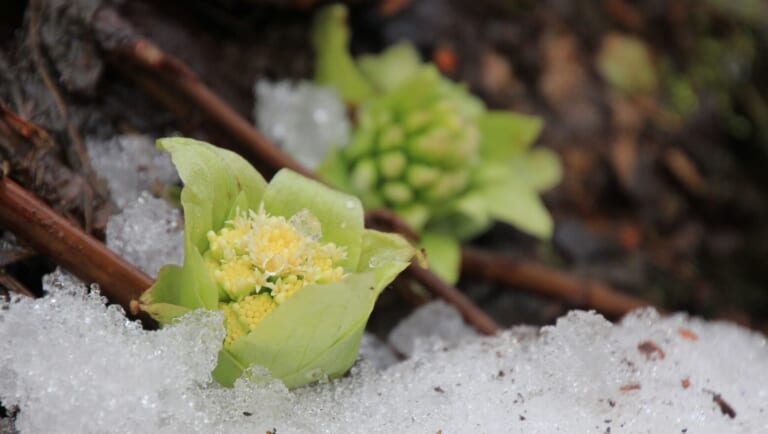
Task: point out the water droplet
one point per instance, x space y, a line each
374 262
307 224
315 374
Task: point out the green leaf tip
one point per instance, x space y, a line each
289 263
334 67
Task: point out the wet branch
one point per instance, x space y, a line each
69 246
472 314
547 281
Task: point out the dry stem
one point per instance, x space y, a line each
548 282
69 246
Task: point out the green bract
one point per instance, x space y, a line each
427 149
289 263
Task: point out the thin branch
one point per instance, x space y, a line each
147 58
548 282
471 313
69 246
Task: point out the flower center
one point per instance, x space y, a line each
259 261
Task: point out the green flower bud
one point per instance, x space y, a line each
364 175
426 148
421 175
392 164
447 186
397 193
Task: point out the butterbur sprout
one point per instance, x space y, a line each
289 264
427 149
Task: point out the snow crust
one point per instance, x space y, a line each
130 164
73 365
147 233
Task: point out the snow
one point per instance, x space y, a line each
73 365
130 164
305 120
147 233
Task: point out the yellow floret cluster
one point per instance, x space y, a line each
259 260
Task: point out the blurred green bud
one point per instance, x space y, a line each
430 151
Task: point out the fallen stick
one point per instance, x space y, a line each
469 311
177 80
547 281
69 246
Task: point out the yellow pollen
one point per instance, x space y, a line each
259 261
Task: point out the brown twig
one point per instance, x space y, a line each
469 310
144 57
69 246
548 282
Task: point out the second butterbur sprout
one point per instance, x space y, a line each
414 149
427 149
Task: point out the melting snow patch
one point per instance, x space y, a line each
73 365
130 164
147 233
304 119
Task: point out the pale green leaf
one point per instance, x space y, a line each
392 67
539 169
161 300
443 255
385 254
519 206
213 178
334 66
297 341
505 134
198 290
464 218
